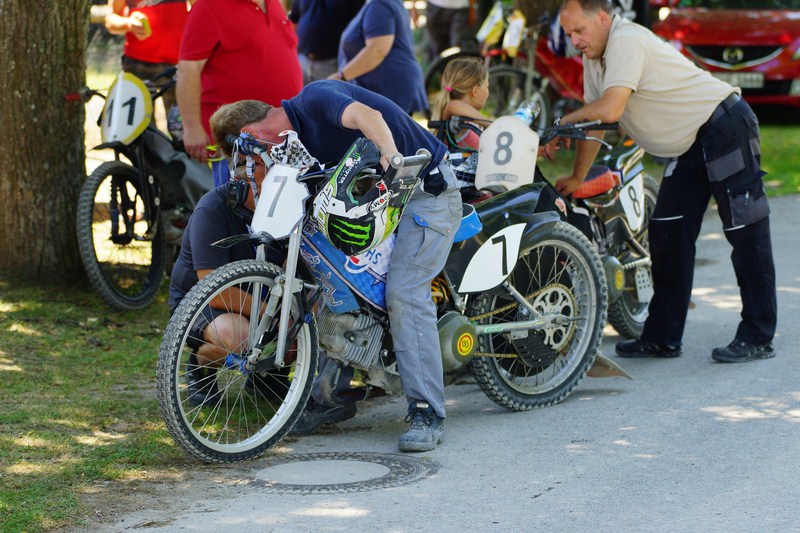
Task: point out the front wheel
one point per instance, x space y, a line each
120 238
239 412
561 276
508 88
628 314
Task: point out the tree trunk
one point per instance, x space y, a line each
42 161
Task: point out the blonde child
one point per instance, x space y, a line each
465 88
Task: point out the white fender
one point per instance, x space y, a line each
633 202
493 261
507 155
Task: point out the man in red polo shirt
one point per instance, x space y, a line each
233 50
152 30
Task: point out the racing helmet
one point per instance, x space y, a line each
358 208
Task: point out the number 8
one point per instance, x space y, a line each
504 142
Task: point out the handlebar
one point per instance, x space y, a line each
84 94
447 128
247 144
576 131
572 131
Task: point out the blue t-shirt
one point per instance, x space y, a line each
399 76
211 221
320 23
316 116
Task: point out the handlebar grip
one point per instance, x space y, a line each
396 161
247 145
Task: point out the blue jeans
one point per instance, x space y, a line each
424 238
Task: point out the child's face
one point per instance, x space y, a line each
481 94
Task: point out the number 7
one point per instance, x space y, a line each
281 180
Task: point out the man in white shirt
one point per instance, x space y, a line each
675 110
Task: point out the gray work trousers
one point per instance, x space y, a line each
424 237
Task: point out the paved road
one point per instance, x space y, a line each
689 445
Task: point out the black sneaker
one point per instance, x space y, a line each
201 383
426 429
640 348
741 351
315 415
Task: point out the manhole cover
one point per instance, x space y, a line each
332 472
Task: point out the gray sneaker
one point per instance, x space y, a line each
426 429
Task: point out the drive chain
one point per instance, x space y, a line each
507 308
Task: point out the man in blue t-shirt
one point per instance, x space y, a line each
328 116
319 25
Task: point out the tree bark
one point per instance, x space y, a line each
42 157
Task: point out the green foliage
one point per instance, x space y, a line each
80 408
780 158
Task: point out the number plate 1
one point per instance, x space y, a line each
128 110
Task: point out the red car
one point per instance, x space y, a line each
752 44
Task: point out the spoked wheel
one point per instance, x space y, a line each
232 412
507 90
627 315
560 274
120 239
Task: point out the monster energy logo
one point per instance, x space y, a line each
349 233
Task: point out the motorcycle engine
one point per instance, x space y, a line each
353 338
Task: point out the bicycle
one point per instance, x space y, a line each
530 71
131 215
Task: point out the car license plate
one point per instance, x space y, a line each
745 80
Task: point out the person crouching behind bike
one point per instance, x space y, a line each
223 323
328 116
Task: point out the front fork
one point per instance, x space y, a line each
279 303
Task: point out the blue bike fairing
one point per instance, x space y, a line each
470 224
341 275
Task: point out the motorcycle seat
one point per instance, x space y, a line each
599 180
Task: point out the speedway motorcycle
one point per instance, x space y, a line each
132 210
612 207
522 300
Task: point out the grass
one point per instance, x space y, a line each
781 158
80 409
780 137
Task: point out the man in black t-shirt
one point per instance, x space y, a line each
211 221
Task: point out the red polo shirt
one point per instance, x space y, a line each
250 54
166 21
